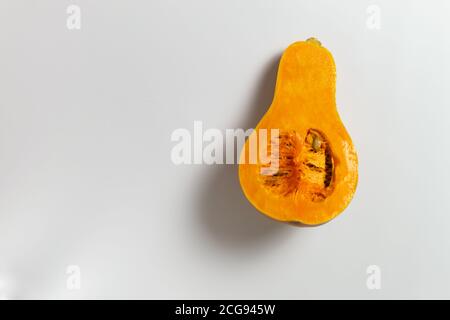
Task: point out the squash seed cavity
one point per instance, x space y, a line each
305 168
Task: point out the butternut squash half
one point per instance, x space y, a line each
316 163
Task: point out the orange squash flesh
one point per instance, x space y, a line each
317 162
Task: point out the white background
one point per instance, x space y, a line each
86 177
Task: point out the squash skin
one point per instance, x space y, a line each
304 99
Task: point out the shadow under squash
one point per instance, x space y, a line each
225 213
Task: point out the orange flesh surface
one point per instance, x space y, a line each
317 162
